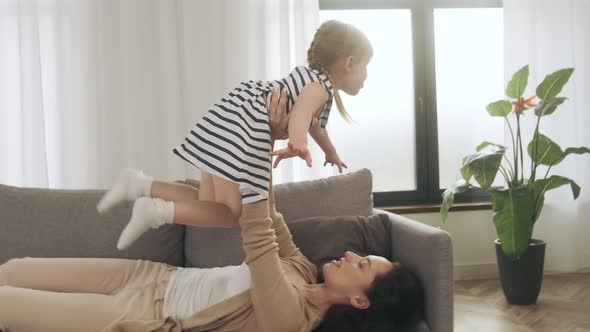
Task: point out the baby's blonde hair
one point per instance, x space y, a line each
332 41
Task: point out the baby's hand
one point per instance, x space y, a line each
333 158
292 150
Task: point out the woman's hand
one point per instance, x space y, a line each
277 115
333 158
292 150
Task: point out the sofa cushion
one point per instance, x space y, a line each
64 223
348 194
322 239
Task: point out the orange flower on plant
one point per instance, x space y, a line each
523 104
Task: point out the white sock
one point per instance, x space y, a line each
130 185
147 213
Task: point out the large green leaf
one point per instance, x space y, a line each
549 106
549 153
483 166
580 150
449 197
466 172
518 83
513 217
555 181
539 204
499 108
542 186
485 144
553 83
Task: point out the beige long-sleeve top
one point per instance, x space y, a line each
272 304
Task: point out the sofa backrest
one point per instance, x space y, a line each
38 222
342 195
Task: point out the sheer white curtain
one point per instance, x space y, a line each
549 35
88 87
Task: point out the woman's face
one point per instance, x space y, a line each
353 274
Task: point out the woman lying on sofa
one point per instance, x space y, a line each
275 289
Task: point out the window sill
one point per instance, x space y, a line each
430 208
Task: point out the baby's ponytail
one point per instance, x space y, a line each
339 104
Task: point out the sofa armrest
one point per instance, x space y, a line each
427 251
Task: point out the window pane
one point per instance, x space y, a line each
469 75
381 137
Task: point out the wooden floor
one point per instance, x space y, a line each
563 306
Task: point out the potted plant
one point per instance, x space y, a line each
518 204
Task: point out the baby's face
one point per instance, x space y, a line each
354 77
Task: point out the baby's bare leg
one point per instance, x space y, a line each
133 184
171 191
220 204
175 192
228 194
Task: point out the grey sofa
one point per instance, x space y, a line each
64 223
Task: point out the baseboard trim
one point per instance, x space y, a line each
490 271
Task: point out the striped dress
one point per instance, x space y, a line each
233 140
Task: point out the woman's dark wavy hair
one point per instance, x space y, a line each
396 299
